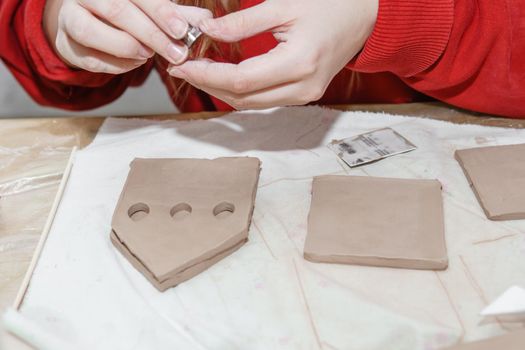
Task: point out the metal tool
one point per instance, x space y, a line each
191 36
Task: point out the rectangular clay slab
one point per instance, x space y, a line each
497 177
377 222
193 212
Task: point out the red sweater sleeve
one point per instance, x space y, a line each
469 53
28 55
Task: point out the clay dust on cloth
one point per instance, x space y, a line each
266 296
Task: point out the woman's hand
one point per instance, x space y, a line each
317 39
116 36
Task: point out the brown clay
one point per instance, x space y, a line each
377 222
177 217
497 177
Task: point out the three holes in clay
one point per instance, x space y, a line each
139 211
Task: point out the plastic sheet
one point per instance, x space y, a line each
266 295
33 155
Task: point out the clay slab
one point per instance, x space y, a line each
181 276
377 222
512 341
497 177
177 217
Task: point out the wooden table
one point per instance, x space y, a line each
34 153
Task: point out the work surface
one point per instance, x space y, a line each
36 151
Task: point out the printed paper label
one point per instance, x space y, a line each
371 146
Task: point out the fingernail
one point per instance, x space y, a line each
177 53
145 52
178 28
176 72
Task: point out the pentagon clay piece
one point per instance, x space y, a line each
497 177
377 222
514 340
177 217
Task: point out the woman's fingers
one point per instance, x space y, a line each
92 60
125 15
315 46
164 14
172 18
89 31
94 34
276 67
297 93
245 23
194 15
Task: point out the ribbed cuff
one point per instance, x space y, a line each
408 37
45 61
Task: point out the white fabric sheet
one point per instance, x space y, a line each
266 296
509 306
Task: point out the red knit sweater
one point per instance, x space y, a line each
469 53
